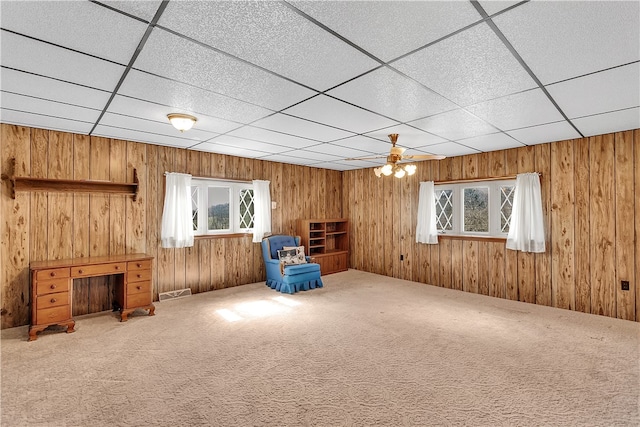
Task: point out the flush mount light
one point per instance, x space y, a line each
182 122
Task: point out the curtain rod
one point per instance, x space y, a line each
491 178
214 178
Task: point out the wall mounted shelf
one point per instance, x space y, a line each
21 183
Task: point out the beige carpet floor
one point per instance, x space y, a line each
365 350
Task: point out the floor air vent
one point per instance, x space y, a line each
174 294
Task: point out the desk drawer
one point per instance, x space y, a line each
138 275
98 269
52 273
53 300
138 300
53 315
44 287
139 265
139 288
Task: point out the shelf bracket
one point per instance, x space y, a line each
11 177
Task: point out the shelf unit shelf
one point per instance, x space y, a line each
327 241
22 183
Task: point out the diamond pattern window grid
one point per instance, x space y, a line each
246 209
444 210
506 206
194 207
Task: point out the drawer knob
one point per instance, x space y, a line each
117 267
53 274
52 286
139 276
80 271
139 265
138 287
53 300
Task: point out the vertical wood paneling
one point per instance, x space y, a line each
118 221
136 210
624 210
636 153
582 226
543 261
602 226
15 229
192 254
81 222
497 283
562 225
39 201
511 257
153 214
59 225
166 256
434 250
180 257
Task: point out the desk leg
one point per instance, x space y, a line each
124 314
34 329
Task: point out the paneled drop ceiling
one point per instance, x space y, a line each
317 82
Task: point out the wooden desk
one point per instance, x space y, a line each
52 287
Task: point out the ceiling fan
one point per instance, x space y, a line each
394 157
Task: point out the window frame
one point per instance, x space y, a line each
234 191
494 207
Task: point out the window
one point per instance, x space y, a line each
221 207
480 208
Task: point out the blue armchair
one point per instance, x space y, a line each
292 278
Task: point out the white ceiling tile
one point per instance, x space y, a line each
564 39
356 164
45 122
257 134
332 112
457 124
144 9
451 149
550 132
408 136
272 36
609 122
493 142
48 108
285 158
151 126
519 110
144 137
314 156
390 29
467 68
495 6
229 150
388 93
364 143
47 88
157 112
178 95
295 126
609 90
177 58
80 25
337 150
248 144
50 61
337 166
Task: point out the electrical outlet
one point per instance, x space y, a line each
625 285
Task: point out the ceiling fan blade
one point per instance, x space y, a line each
367 158
424 157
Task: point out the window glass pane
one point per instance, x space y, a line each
218 209
194 207
246 208
506 205
444 210
476 209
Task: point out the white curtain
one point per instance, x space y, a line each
261 210
177 223
526 229
426 230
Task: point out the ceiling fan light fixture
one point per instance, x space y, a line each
182 122
399 173
378 171
411 169
386 169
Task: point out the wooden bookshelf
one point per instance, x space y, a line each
327 242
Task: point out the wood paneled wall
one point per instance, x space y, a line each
591 197
45 226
